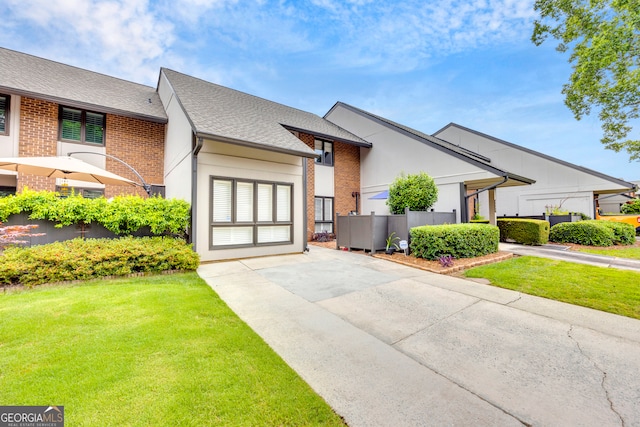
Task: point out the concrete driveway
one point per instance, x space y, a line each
390 345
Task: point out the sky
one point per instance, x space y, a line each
423 64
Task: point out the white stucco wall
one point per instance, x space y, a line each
178 146
556 184
226 160
9 143
394 153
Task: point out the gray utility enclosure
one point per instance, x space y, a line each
370 232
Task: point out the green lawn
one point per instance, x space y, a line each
161 350
606 289
621 252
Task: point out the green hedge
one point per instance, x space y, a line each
525 231
458 240
122 215
593 233
82 259
631 207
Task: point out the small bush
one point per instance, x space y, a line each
631 207
593 233
623 234
525 231
83 259
418 192
457 240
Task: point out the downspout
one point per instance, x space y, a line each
198 142
304 205
467 196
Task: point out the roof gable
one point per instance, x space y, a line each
583 169
31 76
219 112
461 153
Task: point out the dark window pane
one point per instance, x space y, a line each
94 130
3 114
71 124
318 150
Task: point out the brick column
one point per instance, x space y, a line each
38 137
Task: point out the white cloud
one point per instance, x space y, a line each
120 37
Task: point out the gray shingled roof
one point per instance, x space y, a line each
615 180
28 75
220 112
440 144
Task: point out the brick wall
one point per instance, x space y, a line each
311 183
346 172
38 137
137 142
346 177
140 144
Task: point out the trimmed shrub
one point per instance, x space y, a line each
623 234
631 207
418 192
121 215
593 233
458 240
83 259
525 231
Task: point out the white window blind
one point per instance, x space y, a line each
222 200
265 202
283 207
244 202
318 209
274 233
328 210
226 236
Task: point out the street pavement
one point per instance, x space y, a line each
389 345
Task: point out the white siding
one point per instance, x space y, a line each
394 153
178 146
556 184
226 160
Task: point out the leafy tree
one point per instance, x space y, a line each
418 192
604 39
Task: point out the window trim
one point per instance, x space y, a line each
324 221
321 160
83 127
254 224
7 115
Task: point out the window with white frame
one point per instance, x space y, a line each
82 126
250 213
323 214
5 101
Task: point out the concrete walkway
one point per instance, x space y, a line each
563 253
389 345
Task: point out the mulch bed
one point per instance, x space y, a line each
432 266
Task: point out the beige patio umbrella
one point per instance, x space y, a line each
63 167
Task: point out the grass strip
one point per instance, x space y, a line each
632 253
606 289
160 350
